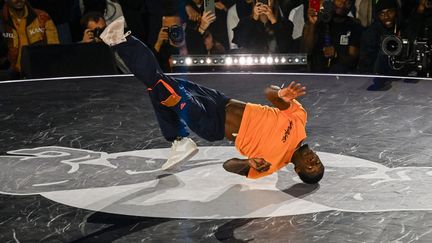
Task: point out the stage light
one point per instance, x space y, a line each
249 60
269 60
228 60
188 61
239 59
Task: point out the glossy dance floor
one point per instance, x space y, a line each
80 162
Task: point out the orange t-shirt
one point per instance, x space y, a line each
272 134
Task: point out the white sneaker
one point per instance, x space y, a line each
114 32
181 150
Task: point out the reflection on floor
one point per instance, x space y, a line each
80 162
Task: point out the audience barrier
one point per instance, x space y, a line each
67 60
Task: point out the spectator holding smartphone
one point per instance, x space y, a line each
265 30
206 32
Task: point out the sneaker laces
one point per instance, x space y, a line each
175 144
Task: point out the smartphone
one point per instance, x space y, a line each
315 4
263 1
209 5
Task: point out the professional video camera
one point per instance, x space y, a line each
403 53
413 54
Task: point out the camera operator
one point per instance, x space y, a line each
409 51
372 59
171 41
332 38
273 31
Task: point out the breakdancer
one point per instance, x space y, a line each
270 137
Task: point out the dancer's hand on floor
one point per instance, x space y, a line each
259 164
291 92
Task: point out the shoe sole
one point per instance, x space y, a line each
185 158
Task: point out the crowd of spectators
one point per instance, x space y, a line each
343 37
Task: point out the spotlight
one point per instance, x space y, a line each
269 60
296 60
174 62
208 60
262 60
283 60
236 60
202 61
188 61
276 60
228 60
242 60
249 60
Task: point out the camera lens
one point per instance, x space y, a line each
391 45
176 34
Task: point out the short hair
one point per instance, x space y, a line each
310 178
90 16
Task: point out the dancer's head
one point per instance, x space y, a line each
307 165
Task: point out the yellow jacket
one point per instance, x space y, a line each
39 30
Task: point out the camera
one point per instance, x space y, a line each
392 45
97 32
416 54
175 34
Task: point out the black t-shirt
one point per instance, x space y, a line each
342 35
